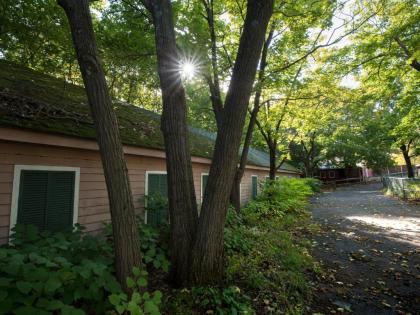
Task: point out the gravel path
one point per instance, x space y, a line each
369 245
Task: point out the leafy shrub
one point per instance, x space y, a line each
153 245
153 248
72 273
214 300
272 269
156 206
139 301
314 183
278 198
45 273
235 234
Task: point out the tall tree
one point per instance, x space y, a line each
181 194
207 249
235 194
207 254
124 224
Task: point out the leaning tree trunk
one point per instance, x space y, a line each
125 230
273 168
207 253
407 159
182 199
235 195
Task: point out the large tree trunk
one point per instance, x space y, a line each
236 188
273 168
182 199
125 230
407 159
207 254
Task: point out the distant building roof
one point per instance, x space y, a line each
32 100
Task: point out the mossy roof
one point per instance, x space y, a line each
32 100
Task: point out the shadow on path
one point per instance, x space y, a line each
369 247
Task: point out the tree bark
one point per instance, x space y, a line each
407 159
414 63
213 82
181 193
207 253
235 196
124 226
273 168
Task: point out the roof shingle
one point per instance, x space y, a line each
31 100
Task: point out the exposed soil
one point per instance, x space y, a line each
369 248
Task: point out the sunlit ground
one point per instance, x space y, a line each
407 228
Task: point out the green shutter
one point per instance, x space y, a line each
254 186
157 191
32 198
59 211
205 178
46 199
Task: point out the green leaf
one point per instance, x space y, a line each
151 252
136 271
157 297
120 309
147 259
5 282
54 305
3 253
52 285
134 308
165 266
114 299
6 305
70 310
141 282
85 273
24 287
136 298
3 295
26 310
151 308
112 285
130 283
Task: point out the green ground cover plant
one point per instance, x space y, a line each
267 257
70 273
267 266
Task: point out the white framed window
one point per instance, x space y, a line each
155 182
204 177
240 192
45 196
254 186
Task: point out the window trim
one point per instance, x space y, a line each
16 187
201 186
240 192
252 187
146 188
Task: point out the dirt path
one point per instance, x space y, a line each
370 247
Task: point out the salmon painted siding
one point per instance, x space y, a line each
93 208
